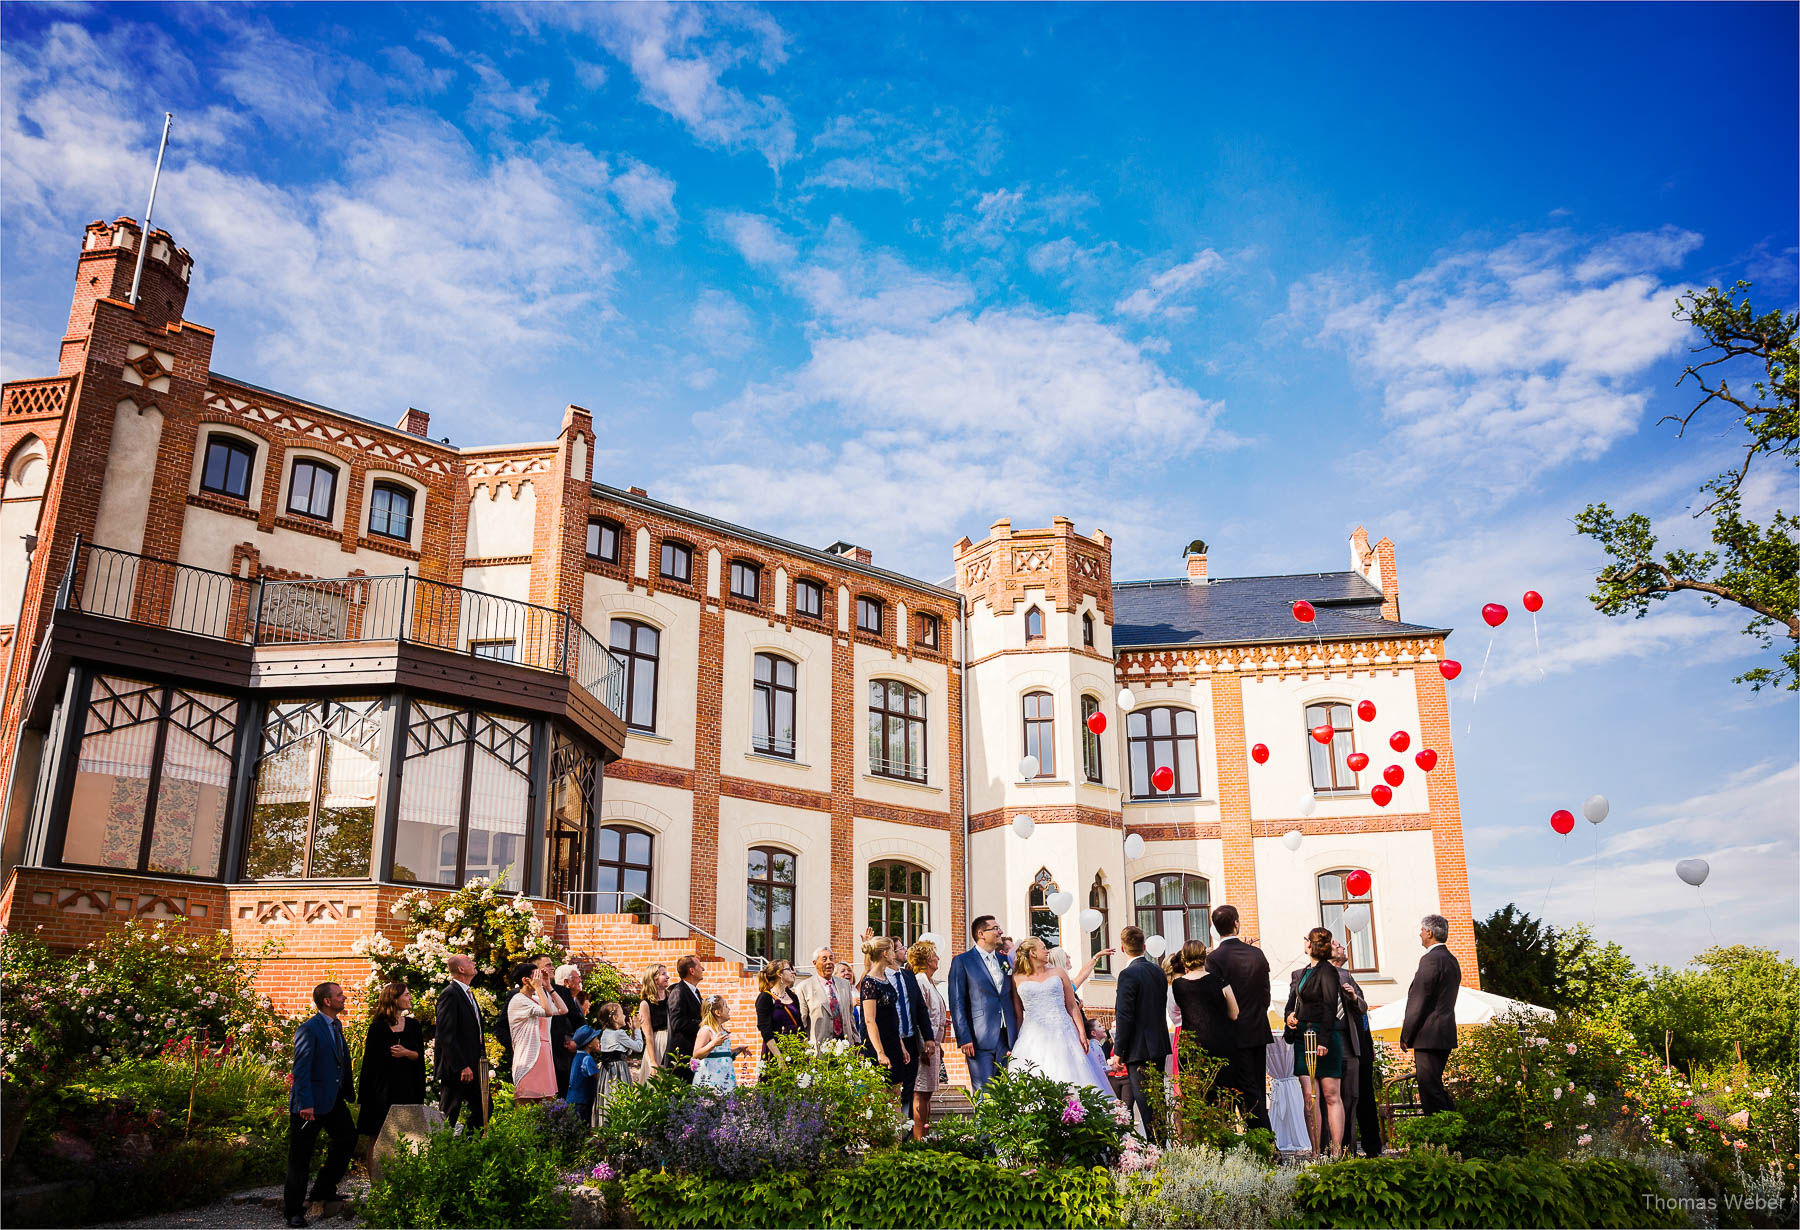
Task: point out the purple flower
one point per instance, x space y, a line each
602 1173
1073 1111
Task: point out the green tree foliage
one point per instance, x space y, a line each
1592 977
1730 996
1754 566
1517 956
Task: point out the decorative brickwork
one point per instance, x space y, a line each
1066 565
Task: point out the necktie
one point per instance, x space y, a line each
831 1005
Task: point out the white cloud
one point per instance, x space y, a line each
499 102
874 151
841 281
756 239
721 323
647 197
1159 296
1637 253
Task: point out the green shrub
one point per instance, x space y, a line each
1024 1119
859 1103
501 1177
1443 1130
1209 1187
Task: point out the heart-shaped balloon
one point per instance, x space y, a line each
1357 882
1060 903
1449 668
1134 846
1322 733
1259 752
1494 613
1303 611
1356 919
1097 722
1091 920
1381 795
1309 804
1562 821
1365 709
1693 870
1023 826
1534 601
1358 761
1292 839
1393 775
1596 808
1163 779
1426 759
1399 740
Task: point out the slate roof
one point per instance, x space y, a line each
1251 610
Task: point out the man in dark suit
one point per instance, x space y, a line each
319 1100
1246 971
460 1047
981 1003
684 1016
566 986
1140 1024
1429 1031
910 1005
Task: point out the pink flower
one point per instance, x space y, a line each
1073 1111
1584 1140
1571 1048
693 1065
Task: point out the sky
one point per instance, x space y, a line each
1253 274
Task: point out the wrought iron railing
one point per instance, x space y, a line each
165 594
615 901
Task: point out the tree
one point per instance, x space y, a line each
1753 566
1592 977
1739 995
1516 955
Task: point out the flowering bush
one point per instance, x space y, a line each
858 1102
1024 1119
1188 1186
495 930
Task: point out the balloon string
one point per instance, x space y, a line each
1537 647
1549 886
1476 694
1596 904
1708 913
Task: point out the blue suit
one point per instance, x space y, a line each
323 1085
982 1014
320 1071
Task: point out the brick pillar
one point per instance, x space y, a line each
1234 800
957 938
703 901
1446 817
844 926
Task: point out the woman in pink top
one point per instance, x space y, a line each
528 1018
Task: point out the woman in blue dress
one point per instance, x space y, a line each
712 1044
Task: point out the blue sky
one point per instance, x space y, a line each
1255 274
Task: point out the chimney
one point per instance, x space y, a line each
850 551
1196 562
415 423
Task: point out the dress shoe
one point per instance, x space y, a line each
297 1221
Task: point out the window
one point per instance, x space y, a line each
1087 631
391 511
1330 768
896 730
769 905
313 491
1174 905
152 779
928 631
603 541
312 815
636 643
496 651
1044 923
227 468
746 580
624 866
1097 902
868 615
772 715
677 561
1161 737
1034 624
465 791
574 785
809 599
1040 731
899 901
1334 899
1090 742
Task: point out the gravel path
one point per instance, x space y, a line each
255 1209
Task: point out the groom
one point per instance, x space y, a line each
981 1002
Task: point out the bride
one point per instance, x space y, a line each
1050 1035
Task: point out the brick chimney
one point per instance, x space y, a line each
851 551
1196 562
415 423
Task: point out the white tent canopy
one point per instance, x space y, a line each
1473 1007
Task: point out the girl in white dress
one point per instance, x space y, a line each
1051 1040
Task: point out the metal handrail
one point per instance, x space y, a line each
619 896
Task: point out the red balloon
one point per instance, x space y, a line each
1426 759
1097 722
1358 761
1450 668
1394 774
1323 733
1365 710
1357 882
1163 778
1303 611
1260 753
1381 795
1534 601
1399 740
1494 613
1562 821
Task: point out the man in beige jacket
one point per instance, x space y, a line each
827 1003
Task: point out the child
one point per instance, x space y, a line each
584 1072
713 1049
617 1048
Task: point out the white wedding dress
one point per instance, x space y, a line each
1047 1043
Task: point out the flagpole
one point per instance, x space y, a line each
144 239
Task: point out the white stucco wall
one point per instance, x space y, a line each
130 471
933 679
744 823
502 518
677 619
745 637
668 815
1274 714
929 849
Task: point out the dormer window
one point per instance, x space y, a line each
1034 625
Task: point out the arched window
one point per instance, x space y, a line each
896 730
1174 905
227 468
1045 925
1330 766
626 861
391 511
1160 737
1334 899
1097 901
1090 742
312 492
899 900
1087 631
772 707
637 644
1040 731
928 631
1034 624
769 904
746 580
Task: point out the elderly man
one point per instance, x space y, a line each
1429 1031
825 999
566 983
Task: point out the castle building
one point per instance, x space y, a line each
267 666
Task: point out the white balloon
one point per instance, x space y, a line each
1091 919
1292 839
1060 903
1156 945
1693 870
1356 918
1028 768
1308 805
1134 846
1596 808
1126 699
1023 826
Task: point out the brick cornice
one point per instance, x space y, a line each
768 792
649 773
1000 817
1193 663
